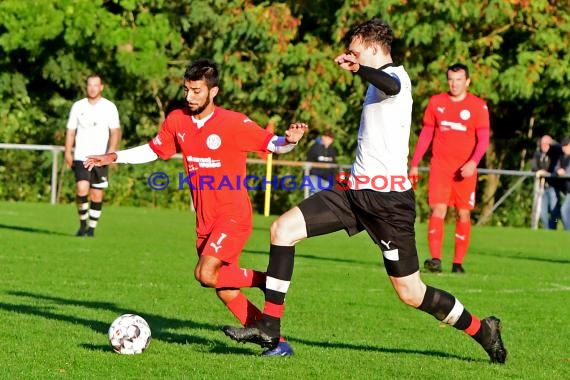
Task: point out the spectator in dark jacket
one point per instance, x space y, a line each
543 163
322 151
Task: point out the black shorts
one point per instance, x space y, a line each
387 217
97 177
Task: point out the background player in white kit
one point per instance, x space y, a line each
93 128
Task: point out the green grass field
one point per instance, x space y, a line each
59 293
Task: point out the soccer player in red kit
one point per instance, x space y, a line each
458 123
214 143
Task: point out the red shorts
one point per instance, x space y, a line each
225 241
445 187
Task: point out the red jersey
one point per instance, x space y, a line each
215 161
455 125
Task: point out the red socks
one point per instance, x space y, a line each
462 236
244 310
435 236
474 326
232 276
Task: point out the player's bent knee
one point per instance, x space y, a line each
207 282
410 299
279 230
289 228
410 292
205 278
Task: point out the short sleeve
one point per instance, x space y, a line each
114 117
72 119
164 143
251 137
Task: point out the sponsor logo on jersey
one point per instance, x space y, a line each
203 162
451 125
441 109
181 136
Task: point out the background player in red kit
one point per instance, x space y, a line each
458 123
214 143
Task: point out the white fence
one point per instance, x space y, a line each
306 166
55 150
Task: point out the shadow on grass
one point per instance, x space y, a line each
390 350
161 326
313 257
96 347
526 258
217 349
31 229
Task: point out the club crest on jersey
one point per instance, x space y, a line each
464 114
213 141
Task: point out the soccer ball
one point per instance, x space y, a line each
129 334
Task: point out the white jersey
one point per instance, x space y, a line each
92 123
381 162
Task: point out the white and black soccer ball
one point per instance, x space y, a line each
129 334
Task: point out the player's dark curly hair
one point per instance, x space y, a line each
374 31
203 69
458 67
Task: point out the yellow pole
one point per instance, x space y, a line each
268 171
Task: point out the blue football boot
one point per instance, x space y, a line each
282 349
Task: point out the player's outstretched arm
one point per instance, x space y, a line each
295 132
285 144
383 81
100 160
139 155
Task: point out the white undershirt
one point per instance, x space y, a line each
139 155
144 153
200 122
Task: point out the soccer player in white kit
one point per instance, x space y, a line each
377 198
